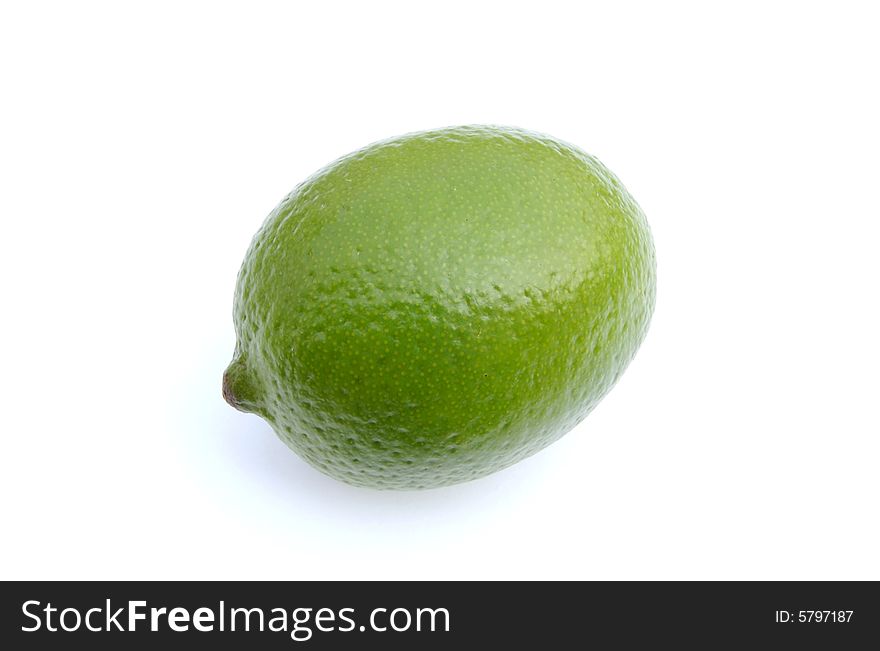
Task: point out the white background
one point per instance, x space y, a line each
141 146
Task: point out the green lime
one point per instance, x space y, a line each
435 307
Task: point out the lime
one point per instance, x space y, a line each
438 306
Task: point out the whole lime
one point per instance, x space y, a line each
435 307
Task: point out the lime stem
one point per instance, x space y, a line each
238 389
